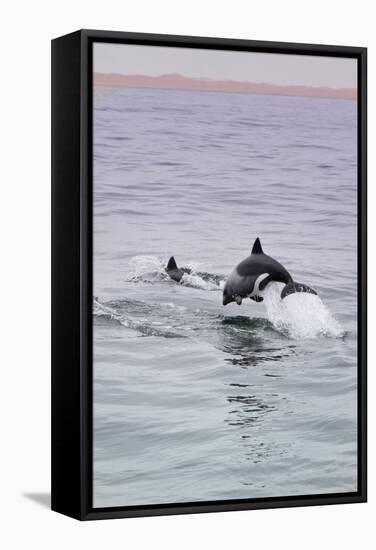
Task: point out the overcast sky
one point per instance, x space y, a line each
270 68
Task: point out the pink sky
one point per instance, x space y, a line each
176 81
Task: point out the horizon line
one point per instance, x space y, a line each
178 81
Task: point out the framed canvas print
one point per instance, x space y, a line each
208 274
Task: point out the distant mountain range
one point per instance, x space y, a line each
179 82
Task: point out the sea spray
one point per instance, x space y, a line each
202 281
146 269
300 315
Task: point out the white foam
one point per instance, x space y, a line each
300 315
141 266
195 281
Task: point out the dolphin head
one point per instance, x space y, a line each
227 295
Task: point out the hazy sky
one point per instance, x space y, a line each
282 69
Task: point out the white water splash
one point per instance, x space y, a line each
300 315
146 268
195 281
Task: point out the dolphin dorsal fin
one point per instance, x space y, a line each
257 248
171 264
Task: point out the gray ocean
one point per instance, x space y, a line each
194 401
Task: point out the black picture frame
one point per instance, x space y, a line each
72 255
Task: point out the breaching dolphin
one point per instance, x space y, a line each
174 271
250 278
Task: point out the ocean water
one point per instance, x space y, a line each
194 401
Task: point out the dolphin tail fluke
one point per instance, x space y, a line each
171 264
293 287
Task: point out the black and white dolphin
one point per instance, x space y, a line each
174 271
250 278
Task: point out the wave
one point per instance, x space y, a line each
111 314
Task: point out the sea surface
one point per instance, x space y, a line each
194 401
